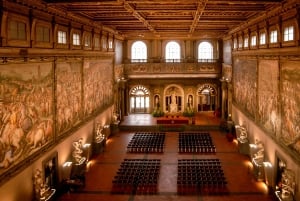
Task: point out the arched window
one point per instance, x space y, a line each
138 52
139 99
205 51
172 52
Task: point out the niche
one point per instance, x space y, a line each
50 168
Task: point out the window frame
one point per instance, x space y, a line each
104 45
290 33
288 24
96 41
132 53
170 60
240 43
253 38
87 40
263 39
42 44
246 43
211 59
235 43
74 33
273 36
64 37
63 29
277 43
75 39
15 41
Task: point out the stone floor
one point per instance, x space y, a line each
102 168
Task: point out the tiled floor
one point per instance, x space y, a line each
241 184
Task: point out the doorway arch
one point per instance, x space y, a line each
139 99
206 98
173 99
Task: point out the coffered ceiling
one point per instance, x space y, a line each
168 18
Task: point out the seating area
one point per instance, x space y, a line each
196 142
137 176
200 176
147 142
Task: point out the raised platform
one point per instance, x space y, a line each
146 122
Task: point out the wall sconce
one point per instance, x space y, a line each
77 152
87 150
99 135
67 168
106 130
268 168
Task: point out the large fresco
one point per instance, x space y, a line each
244 81
68 94
290 101
26 111
98 85
268 93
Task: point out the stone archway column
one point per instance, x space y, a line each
229 101
122 90
224 94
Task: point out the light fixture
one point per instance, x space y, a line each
67 168
87 150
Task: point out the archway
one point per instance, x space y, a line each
173 99
206 98
139 99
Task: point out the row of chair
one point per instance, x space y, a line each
143 142
195 142
200 176
137 176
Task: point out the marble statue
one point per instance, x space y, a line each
77 152
173 105
287 185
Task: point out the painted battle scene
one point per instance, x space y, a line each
268 94
244 81
98 86
290 101
68 93
26 111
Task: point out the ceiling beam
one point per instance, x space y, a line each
199 12
136 14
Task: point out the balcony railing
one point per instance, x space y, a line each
157 60
164 68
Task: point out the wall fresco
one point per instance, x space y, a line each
98 85
268 93
68 93
244 81
290 101
26 111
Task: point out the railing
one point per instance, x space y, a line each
158 60
211 68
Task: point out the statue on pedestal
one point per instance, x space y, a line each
173 105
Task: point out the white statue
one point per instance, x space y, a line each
173 98
287 185
173 105
99 137
258 157
78 150
39 186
